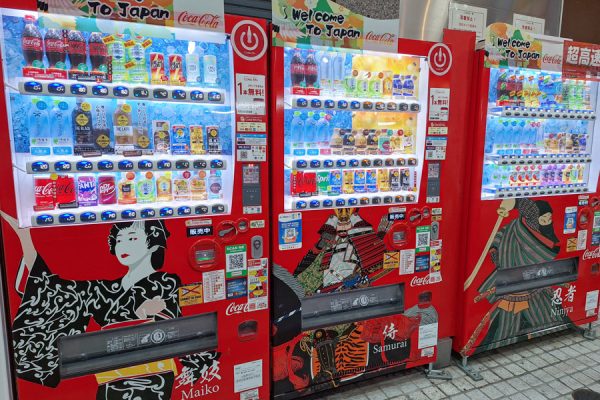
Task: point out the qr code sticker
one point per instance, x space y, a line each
236 261
423 239
243 154
596 221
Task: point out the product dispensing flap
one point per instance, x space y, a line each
331 309
529 277
111 349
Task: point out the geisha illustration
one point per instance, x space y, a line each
53 307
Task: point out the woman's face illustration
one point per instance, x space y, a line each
131 246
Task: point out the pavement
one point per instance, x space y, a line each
549 367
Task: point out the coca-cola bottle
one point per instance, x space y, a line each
98 53
77 51
31 43
311 70
297 68
56 48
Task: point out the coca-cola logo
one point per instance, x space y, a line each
588 255
210 21
387 37
55 45
32 43
233 308
107 189
66 188
552 59
419 281
46 190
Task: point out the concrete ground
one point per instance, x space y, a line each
550 367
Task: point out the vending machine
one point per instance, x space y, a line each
134 173
360 282
531 261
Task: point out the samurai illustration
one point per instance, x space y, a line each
53 307
529 239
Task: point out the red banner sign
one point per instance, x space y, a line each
581 61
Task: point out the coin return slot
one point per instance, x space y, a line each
536 276
247 330
112 349
331 309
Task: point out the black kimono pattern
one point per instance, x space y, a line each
53 307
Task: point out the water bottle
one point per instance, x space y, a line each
310 132
297 134
323 130
60 128
325 72
39 134
338 73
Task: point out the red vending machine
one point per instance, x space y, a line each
531 261
134 211
357 200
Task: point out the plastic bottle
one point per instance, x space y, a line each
117 52
164 187
39 134
297 132
31 43
60 128
338 73
146 188
325 72
198 186
376 85
192 64
209 63
215 185
323 130
310 130
122 128
311 70
127 189
181 186
297 68
408 87
138 73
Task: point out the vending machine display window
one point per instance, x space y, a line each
354 127
130 123
540 136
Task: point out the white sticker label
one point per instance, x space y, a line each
437 130
257 224
247 376
251 147
213 285
435 147
250 94
252 210
591 300
468 18
582 239
439 104
428 335
528 24
428 352
407 262
249 395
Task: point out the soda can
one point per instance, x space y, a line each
383 180
107 190
65 190
323 182
296 178
44 194
359 181
87 191
176 69
405 179
309 186
371 180
348 182
395 180
157 68
335 182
